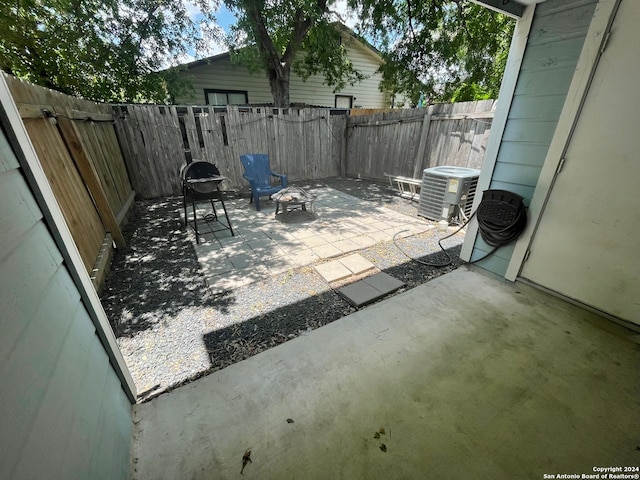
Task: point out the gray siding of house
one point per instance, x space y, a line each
223 75
555 42
64 414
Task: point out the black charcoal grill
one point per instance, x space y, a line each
201 182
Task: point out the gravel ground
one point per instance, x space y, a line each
172 329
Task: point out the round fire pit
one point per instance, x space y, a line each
293 198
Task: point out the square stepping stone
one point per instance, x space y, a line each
333 271
370 289
356 263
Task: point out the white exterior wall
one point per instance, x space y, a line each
223 75
63 411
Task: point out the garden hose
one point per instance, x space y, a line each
502 217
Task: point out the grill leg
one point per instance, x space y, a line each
184 203
215 214
224 208
195 219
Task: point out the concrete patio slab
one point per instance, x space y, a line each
345 267
326 251
346 246
338 227
463 377
217 267
242 261
314 241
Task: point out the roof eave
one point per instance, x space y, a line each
511 8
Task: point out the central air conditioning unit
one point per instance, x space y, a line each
447 192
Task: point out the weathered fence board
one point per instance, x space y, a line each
67 185
305 144
405 142
76 143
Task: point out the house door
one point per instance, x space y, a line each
587 245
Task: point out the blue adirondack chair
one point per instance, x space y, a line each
258 172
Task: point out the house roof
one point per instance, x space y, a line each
206 61
339 26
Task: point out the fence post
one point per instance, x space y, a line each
345 148
90 177
422 145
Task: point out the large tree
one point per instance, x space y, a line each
108 50
446 50
269 36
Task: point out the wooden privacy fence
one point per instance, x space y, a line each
405 142
77 146
305 144
158 140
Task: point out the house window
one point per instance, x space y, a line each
225 97
344 101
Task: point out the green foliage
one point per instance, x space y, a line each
325 54
104 50
468 92
268 35
118 50
449 50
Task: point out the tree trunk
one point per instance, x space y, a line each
278 64
279 83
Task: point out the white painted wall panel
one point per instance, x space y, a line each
554 81
57 381
58 405
24 272
545 55
529 131
536 107
516 173
21 211
32 363
523 153
586 245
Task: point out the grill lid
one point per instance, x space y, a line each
200 176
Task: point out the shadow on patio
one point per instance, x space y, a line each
172 327
158 275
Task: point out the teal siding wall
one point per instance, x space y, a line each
63 412
555 42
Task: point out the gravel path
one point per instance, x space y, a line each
172 330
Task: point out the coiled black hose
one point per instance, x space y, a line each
497 232
502 217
